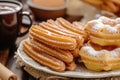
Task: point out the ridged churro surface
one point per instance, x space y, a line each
52 39
44 59
64 55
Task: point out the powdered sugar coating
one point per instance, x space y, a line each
91 51
106 25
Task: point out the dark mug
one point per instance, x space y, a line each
11 22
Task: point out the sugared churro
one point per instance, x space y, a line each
44 59
52 39
63 55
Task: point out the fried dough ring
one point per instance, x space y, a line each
105 35
44 59
104 42
99 58
104 31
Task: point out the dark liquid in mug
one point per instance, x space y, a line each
8 8
9 24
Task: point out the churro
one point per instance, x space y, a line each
79 39
78 25
52 39
63 55
71 27
71 66
61 28
44 59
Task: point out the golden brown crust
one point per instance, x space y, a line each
98 58
108 5
73 28
79 39
52 39
63 55
104 31
44 59
71 66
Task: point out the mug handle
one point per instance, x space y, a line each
25 24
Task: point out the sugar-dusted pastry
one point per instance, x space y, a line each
52 39
63 55
104 31
44 59
99 58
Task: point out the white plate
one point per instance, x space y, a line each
80 72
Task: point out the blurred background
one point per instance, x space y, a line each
80 10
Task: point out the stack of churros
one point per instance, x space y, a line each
55 44
108 5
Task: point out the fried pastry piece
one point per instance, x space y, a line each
64 32
79 39
98 58
58 26
104 31
54 23
107 5
63 55
95 3
64 29
52 39
53 28
61 28
44 59
71 66
75 52
78 25
104 42
71 27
